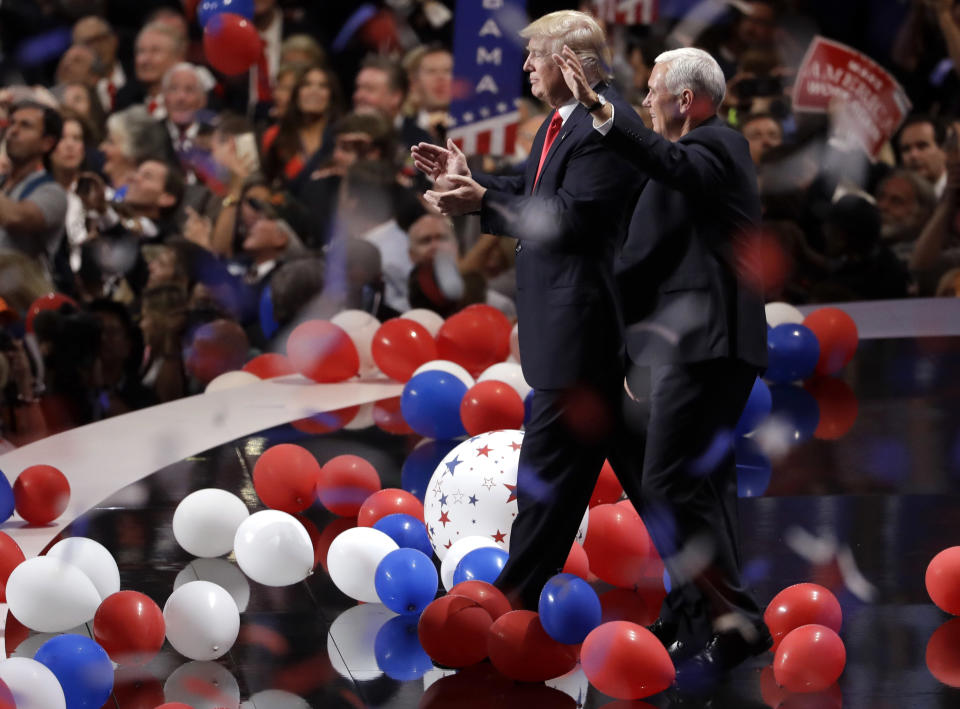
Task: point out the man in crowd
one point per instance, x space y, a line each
762 132
921 150
382 86
430 71
97 34
158 48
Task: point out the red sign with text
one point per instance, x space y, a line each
871 103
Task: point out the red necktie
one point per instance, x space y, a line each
552 130
112 93
264 94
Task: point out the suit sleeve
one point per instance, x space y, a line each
694 166
592 188
511 184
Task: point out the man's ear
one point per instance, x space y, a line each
686 100
49 143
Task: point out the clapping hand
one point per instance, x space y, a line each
439 164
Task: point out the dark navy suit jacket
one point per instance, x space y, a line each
568 227
688 292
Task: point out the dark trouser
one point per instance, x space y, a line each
563 450
687 492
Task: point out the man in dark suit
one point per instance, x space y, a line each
696 335
567 209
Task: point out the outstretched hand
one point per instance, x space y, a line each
439 164
576 78
463 196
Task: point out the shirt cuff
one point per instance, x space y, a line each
604 128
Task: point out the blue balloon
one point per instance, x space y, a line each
431 404
82 667
796 408
209 8
406 581
398 650
483 564
268 323
6 498
793 353
756 409
569 609
407 531
753 469
420 465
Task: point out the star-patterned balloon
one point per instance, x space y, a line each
473 492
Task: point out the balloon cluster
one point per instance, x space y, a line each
231 43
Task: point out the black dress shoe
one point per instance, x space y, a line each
725 651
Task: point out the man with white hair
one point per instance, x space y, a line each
696 336
567 209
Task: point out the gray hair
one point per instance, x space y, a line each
141 136
694 69
184 66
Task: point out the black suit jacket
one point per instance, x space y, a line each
568 227
684 295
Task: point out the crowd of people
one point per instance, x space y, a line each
183 212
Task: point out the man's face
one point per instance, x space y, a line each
147 186
897 202
546 79
757 26
155 54
373 93
94 33
920 153
435 80
183 97
76 66
762 134
663 106
25 139
429 236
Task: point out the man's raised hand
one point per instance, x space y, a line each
439 163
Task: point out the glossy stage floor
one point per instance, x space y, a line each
860 506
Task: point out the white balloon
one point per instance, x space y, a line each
780 313
363 419
444 365
231 380
203 685
32 684
473 491
206 521
275 699
574 683
221 572
515 342
93 559
273 548
456 553
508 373
202 620
361 326
351 638
50 595
353 558
429 319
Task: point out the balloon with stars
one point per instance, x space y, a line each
473 492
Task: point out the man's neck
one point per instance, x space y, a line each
19 172
150 212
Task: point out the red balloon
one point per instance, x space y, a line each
453 631
400 346
626 661
137 690
326 421
617 545
486 594
269 365
41 494
943 653
388 416
130 627
50 301
809 659
943 580
838 407
10 557
801 604
216 348
231 43
521 649
577 563
333 529
388 502
491 406
6 697
837 334
345 482
322 351
14 633
499 323
285 477
473 338
771 692
608 489
632 606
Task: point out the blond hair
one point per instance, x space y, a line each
581 33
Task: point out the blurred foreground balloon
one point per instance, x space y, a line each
231 43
